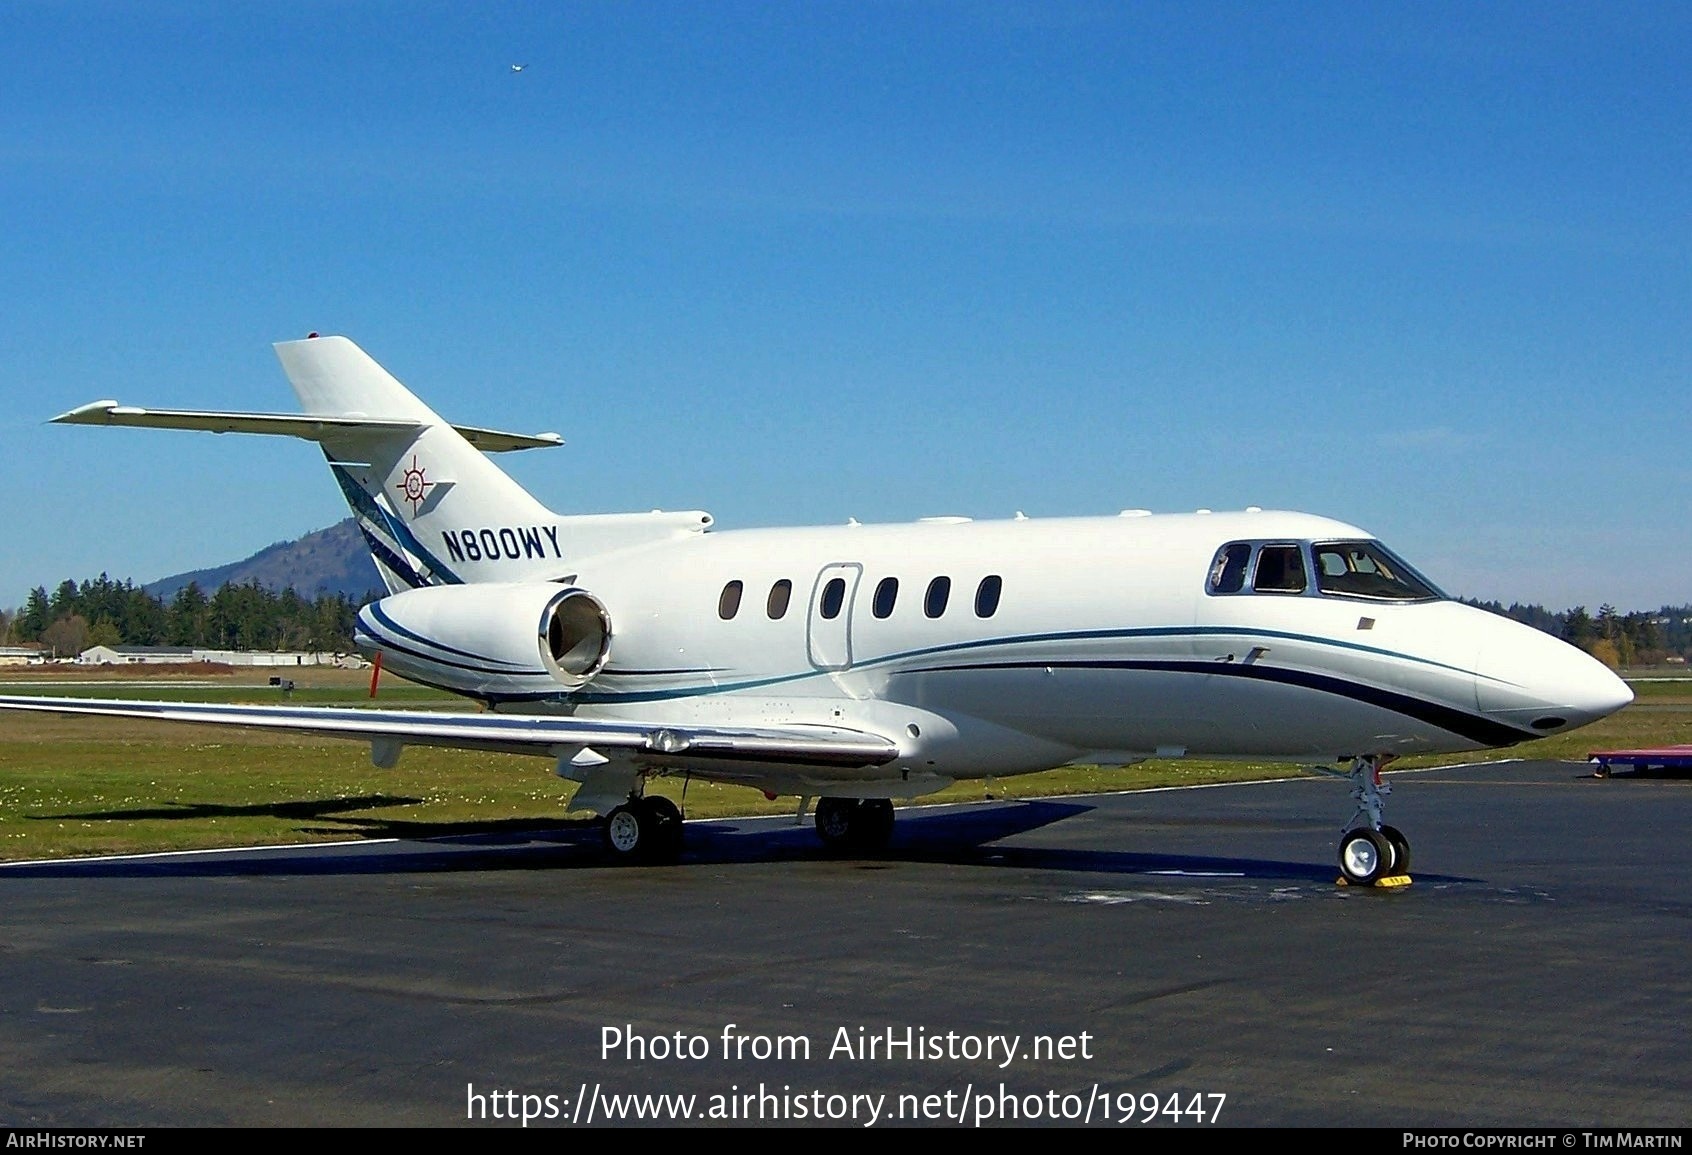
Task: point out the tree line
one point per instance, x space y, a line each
78 615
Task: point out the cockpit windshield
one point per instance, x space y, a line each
1344 569
1365 569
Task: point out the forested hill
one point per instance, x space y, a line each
330 561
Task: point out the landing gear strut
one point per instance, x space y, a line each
846 824
644 829
1372 853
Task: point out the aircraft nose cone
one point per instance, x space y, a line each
1597 692
1536 682
1579 688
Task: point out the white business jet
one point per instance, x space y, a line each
853 665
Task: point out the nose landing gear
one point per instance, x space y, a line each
1372 853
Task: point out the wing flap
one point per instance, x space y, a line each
546 735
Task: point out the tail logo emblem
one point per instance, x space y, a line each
415 486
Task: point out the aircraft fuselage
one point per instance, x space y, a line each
1005 647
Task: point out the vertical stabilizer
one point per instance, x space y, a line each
433 509
335 378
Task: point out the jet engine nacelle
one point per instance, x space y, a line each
498 640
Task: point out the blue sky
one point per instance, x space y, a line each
1422 267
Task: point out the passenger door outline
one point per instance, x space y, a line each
828 641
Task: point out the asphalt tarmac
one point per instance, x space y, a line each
1184 954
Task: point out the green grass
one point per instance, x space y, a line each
83 786
1677 687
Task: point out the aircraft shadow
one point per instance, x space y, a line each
969 836
306 809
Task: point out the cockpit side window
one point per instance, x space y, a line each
1366 569
1228 571
1280 570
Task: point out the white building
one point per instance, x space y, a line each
173 655
134 655
266 657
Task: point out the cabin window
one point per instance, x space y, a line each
885 595
729 603
1280 570
1365 569
1228 571
934 601
987 596
833 597
780 594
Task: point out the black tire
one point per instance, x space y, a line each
874 821
661 806
666 828
1400 849
1364 856
837 822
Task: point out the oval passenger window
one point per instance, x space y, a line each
729 603
934 603
833 596
885 595
780 594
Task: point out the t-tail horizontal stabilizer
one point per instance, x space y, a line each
307 428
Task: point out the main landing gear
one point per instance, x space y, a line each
645 829
848 824
1372 853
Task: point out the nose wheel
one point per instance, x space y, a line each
1364 856
1372 853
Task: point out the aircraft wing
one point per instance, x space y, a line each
550 735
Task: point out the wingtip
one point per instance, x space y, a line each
93 413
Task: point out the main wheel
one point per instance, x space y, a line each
874 823
666 828
1364 856
628 830
836 821
1400 849
663 808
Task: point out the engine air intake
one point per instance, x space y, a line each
577 637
